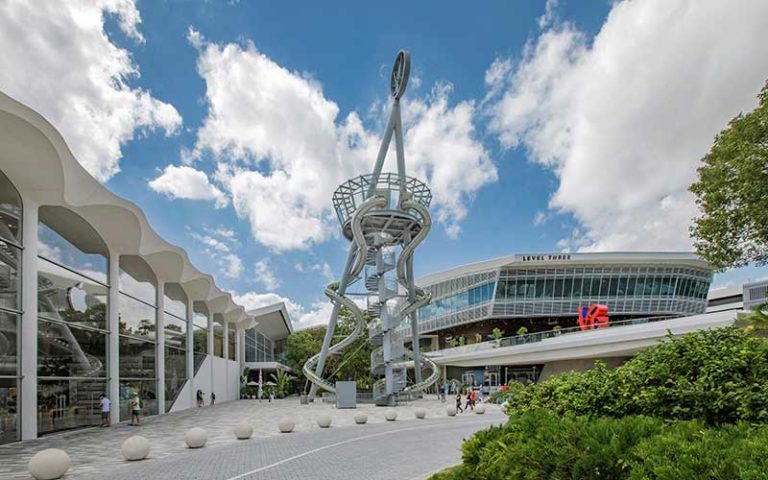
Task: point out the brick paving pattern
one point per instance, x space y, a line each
422 445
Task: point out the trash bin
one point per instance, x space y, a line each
303 398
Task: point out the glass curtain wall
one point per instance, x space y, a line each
630 289
200 334
72 325
137 343
258 348
218 335
175 342
231 340
10 309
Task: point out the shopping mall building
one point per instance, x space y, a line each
493 321
93 300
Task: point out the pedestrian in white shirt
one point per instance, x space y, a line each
105 407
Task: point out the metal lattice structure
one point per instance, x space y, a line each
385 216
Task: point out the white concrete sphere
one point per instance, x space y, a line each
135 448
420 413
243 431
450 411
286 425
361 418
480 409
196 437
49 464
390 415
324 421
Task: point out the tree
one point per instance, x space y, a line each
282 379
301 345
732 193
497 333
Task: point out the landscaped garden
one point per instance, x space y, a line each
691 407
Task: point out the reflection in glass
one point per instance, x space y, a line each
67 296
175 300
68 404
200 339
218 340
137 358
55 247
68 351
9 411
231 352
175 332
10 211
147 391
175 374
8 344
136 318
10 278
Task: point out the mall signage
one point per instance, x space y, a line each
547 258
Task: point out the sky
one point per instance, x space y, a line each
540 126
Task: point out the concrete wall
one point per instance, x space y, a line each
577 365
216 375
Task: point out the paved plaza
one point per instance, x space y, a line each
346 450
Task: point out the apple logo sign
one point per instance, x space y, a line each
76 298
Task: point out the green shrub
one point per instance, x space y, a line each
540 445
718 376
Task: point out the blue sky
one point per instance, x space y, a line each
541 126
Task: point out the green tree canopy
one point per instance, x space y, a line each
732 193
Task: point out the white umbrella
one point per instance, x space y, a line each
253 384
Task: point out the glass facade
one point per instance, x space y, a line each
137 341
10 309
632 290
218 336
199 337
231 341
72 326
175 342
258 347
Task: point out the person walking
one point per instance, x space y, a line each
469 400
458 402
135 406
473 397
105 408
213 398
199 396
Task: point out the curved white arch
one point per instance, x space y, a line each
38 162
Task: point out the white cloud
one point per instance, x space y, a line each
265 275
58 59
218 245
318 314
623 119
324 268
187 183
282 149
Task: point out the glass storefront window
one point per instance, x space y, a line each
136 318
175 300
137 279
68 351
175 374
9 360
9 410
10 211
69 403
54 247
10 278
218 340
147 392
137 358
231 351
175 332
67 296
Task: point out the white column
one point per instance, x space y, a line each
210 345
28 325
160 354
113 350
190 353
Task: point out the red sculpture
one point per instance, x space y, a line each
594 316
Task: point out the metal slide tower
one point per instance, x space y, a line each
385 217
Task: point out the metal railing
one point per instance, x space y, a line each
539 336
